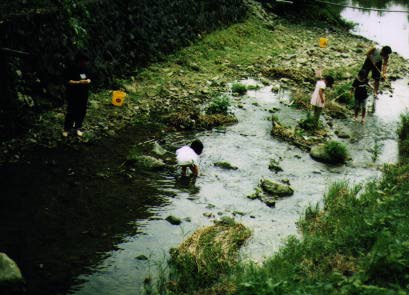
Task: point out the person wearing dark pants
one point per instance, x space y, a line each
78 81
377 62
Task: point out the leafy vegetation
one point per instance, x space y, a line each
403 133
355 244
219 105
337 151
309 123
206 257
239 88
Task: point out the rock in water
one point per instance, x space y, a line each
276 189
269 201
146 162
225 165
10 274
274 166
173 220
342 133
319 153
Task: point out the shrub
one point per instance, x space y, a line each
336 150
239 88
219 105
403 130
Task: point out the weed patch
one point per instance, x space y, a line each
219 105
239 88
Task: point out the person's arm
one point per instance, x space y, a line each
384 67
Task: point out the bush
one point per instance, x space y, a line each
219 105
239 88
336 150
403 130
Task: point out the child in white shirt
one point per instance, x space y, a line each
188 157
318 97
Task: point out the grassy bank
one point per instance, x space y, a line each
356 242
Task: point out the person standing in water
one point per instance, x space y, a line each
359 86
318 96
377 62
78 82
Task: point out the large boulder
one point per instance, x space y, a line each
319 153
332 152
276 189
10 274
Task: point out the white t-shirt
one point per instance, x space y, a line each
315 97
186 156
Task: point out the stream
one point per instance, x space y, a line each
249 146
113 241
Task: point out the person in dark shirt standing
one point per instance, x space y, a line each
360 85
78 81
377 62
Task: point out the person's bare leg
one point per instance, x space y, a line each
195 170
376 87
363 115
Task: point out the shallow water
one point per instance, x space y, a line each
249 146
386 28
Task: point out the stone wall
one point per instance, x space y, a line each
120 37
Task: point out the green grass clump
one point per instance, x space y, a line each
403 133
253 87
239 88
309 123
357 243
219 105
337 151
206 257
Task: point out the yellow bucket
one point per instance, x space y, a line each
323 42
118 98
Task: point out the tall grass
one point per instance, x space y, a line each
358 243
403 133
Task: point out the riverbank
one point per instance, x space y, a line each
263 46
355 243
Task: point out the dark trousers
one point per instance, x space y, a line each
76 110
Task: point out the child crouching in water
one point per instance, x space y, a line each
188 156
318 96
360 85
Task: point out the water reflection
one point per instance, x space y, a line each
386 28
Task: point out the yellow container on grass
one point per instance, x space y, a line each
118 98
323 42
